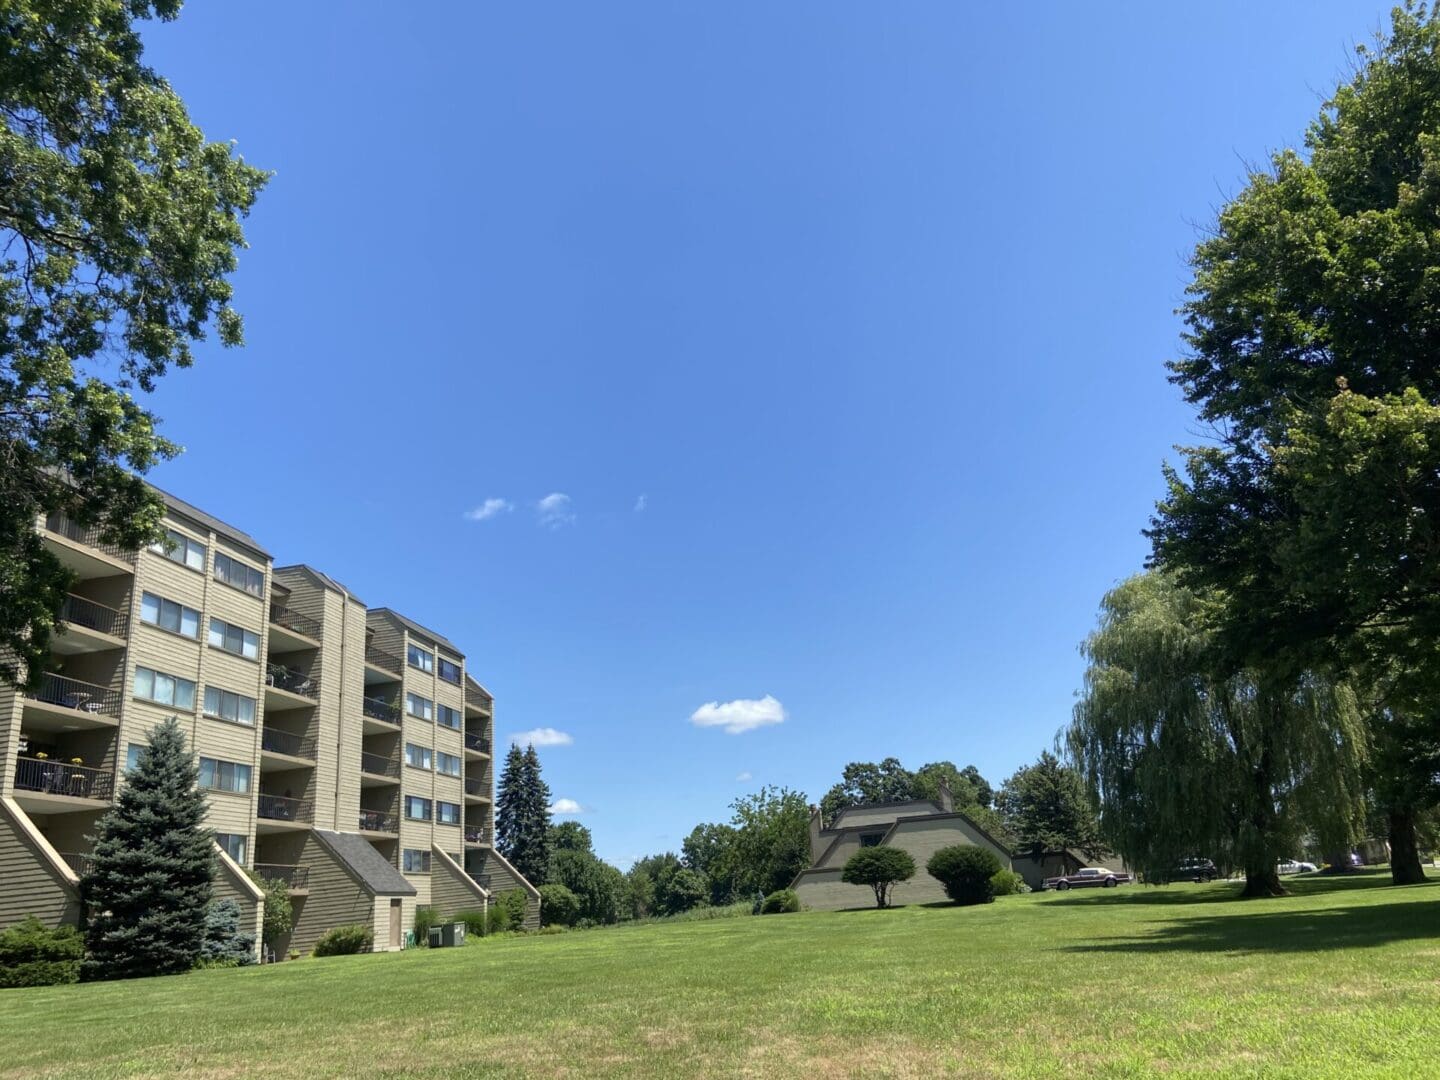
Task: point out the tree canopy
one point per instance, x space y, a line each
522 815
1047 808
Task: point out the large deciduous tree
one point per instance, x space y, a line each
119 227
772 839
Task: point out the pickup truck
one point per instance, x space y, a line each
1089 877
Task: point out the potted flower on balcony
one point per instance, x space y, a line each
77 761
41 755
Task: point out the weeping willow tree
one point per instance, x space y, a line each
1187 756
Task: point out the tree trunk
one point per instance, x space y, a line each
1339 862
1404 855
1263 880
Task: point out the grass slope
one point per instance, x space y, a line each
1337 980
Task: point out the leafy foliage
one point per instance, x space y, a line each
558 905
598 887
507 911
346 940
148 889
477 922
780 902
867 782
772 839
571 836
1007 883
522 815
32 954
966 872
426 919
1047 808
881 867
225 944
279 917
710 850
120 227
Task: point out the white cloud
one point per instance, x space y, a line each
642 502
488 509
541 736
742 777
566 806
554 510
739 716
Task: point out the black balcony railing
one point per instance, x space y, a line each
378 657
297 877
285 742
74 694
284 808
291 619
50 777
380 709
297 682
378 821
477 742
81 611
79 863
379 765
477 786
89 535
475 836
479 699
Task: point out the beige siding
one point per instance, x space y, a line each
335 899
31 883
451 889
231 883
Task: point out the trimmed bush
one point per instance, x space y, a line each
32 954
558 906
225 945
780 902
345 940
507 911
881 867
426 918
1008 883
965 871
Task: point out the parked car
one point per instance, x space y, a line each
1089 877
1295 866
1192 870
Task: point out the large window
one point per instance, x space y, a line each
224 776
168 615
448 764
164 689
449 671
447 813
416 808
234 639
415 861
419 706
132 755
236 573
448 717
233 845
419 658
222 704
417 756
177 547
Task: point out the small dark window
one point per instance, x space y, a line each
871 839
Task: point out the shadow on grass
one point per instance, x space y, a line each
1183 894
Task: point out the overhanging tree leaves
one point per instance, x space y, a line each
119 227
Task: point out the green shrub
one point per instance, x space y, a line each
780 902
554 928
1008 883
279 917
558 906
473 919
225 945
345 940
425 919
32 954
881 867
507 911
965 871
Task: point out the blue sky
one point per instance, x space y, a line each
836 328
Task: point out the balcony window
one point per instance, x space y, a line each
417 756
164 689
132 756
449 671
448 764
415 861
177 547
234 639
224 776
447 813
421 659
235 573
416 808
448 717
224 705
233 844
421 707
168 615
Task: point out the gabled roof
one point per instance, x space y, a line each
929 804
364 863
470 681
220 528
321 578
415 627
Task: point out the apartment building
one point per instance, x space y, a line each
345 751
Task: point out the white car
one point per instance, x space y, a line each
1293 866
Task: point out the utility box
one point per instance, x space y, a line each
453 933
437 937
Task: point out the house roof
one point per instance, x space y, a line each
220 528
930 803
411 624
321 578
365 864
470 680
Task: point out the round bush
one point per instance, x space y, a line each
965 872
1008 883
32 954
780 902
558 906
345 940
881 867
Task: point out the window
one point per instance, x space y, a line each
419 658
181 549
447 813
223 705
168 615
416 861
419 706
234 639
236 573
416 808
233 845
164 689
132 756
871 839
447 716
448 764
224 776
417 756
449 671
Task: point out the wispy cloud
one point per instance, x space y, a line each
542 736
642 502
742 777
566 806
739 716
553 511
488 509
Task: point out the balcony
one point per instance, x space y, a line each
478 743
291 630
375 765
82 550
89 627
381 710
378 821
44 776
279 677
386 662
477 787
476 836
479 699
283 808
296 878
92 706
275 741
80 864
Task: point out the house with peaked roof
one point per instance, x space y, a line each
919 826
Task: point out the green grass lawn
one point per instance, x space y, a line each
1341 979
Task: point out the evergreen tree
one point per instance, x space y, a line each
148 890
508 802
1047 808
522 815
